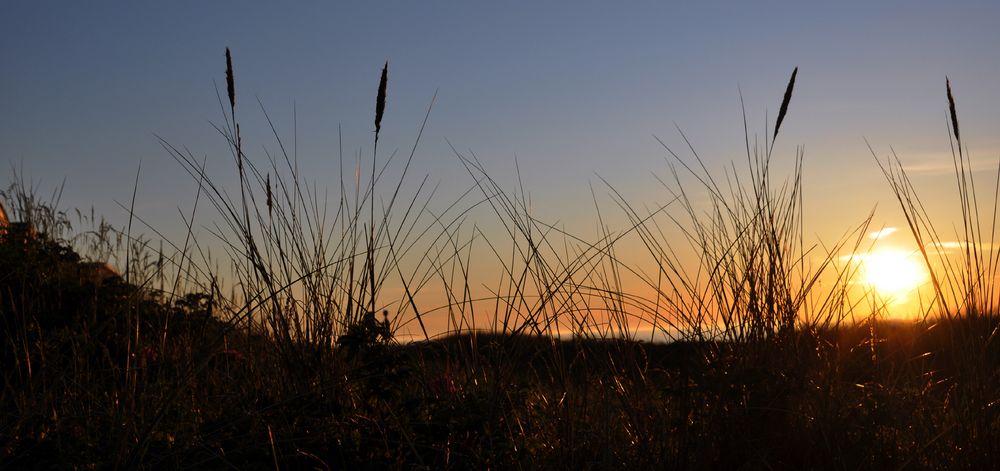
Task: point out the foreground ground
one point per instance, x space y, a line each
99 372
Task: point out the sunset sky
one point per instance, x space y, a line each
573 90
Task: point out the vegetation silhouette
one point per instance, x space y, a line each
159 368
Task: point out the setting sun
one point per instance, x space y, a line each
529 235
893 273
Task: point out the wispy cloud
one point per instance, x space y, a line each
882 233
932 165
952 245
947 247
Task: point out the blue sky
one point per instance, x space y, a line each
573 89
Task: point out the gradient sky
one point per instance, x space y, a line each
573 89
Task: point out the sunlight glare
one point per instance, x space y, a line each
893 273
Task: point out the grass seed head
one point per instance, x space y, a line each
951 110
269 200
784 103
230 84
380 100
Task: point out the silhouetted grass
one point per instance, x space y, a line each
285 361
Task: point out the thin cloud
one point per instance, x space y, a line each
951 245
882 233
943 165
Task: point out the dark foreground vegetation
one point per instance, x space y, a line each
110 374
284 363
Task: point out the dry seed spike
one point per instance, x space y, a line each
951 111
784 103
380 100
230 82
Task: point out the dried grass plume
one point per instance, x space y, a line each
784 103
380 100
951 111
230 83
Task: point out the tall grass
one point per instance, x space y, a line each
754 278
963 285
964 317
293 358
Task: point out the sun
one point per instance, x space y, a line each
893 273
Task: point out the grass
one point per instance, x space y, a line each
286 361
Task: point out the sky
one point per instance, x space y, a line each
576 92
